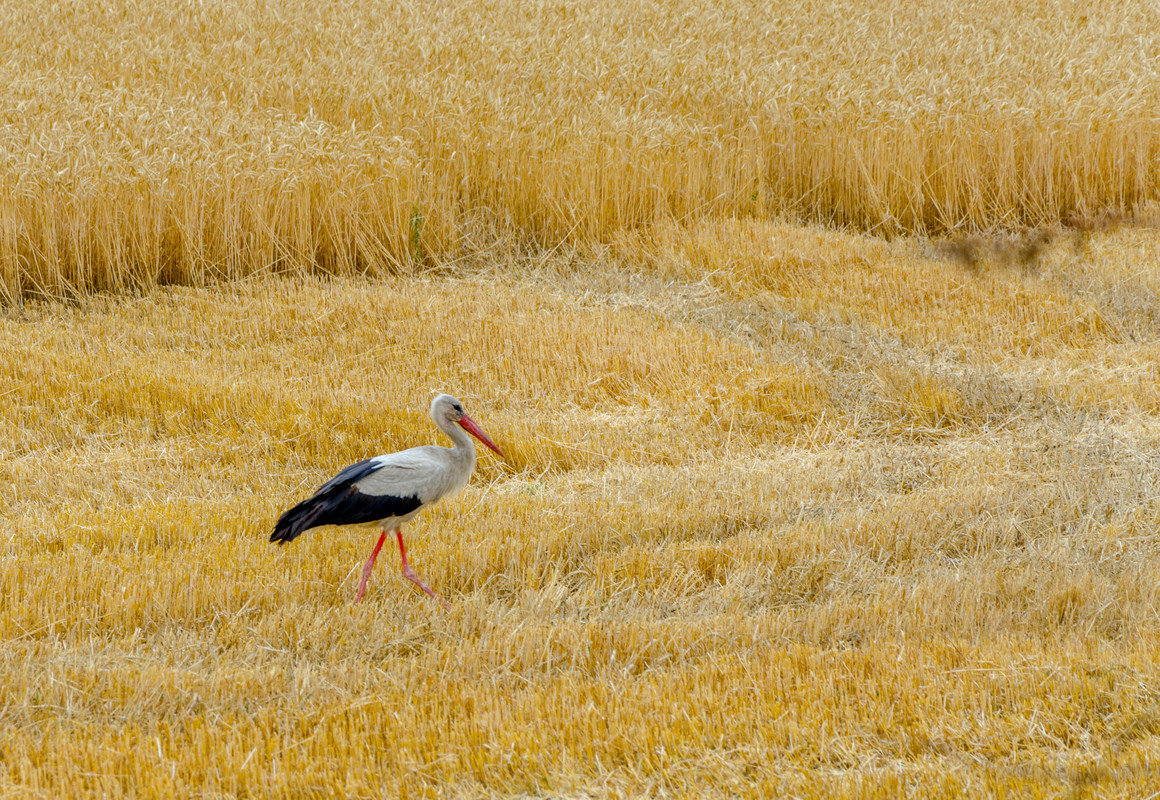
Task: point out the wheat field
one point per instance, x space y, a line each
162 141
820 338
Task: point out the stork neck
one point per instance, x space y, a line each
463 442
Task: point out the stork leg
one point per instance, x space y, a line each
362 587
409 573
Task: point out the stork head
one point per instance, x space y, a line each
445 408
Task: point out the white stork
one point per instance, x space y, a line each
389 490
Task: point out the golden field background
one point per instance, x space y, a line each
796 502
146 142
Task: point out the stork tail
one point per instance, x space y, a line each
297 521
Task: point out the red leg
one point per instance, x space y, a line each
362 587
410 575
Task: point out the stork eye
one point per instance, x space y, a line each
458 408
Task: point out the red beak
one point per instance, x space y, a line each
468 424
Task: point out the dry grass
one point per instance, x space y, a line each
788 513
183 141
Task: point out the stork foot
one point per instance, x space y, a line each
410 575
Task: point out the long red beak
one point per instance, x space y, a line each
468 424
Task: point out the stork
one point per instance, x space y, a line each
389 490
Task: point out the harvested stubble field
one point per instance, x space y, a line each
788 510
785 511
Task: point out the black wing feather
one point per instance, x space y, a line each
339 502
352 474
